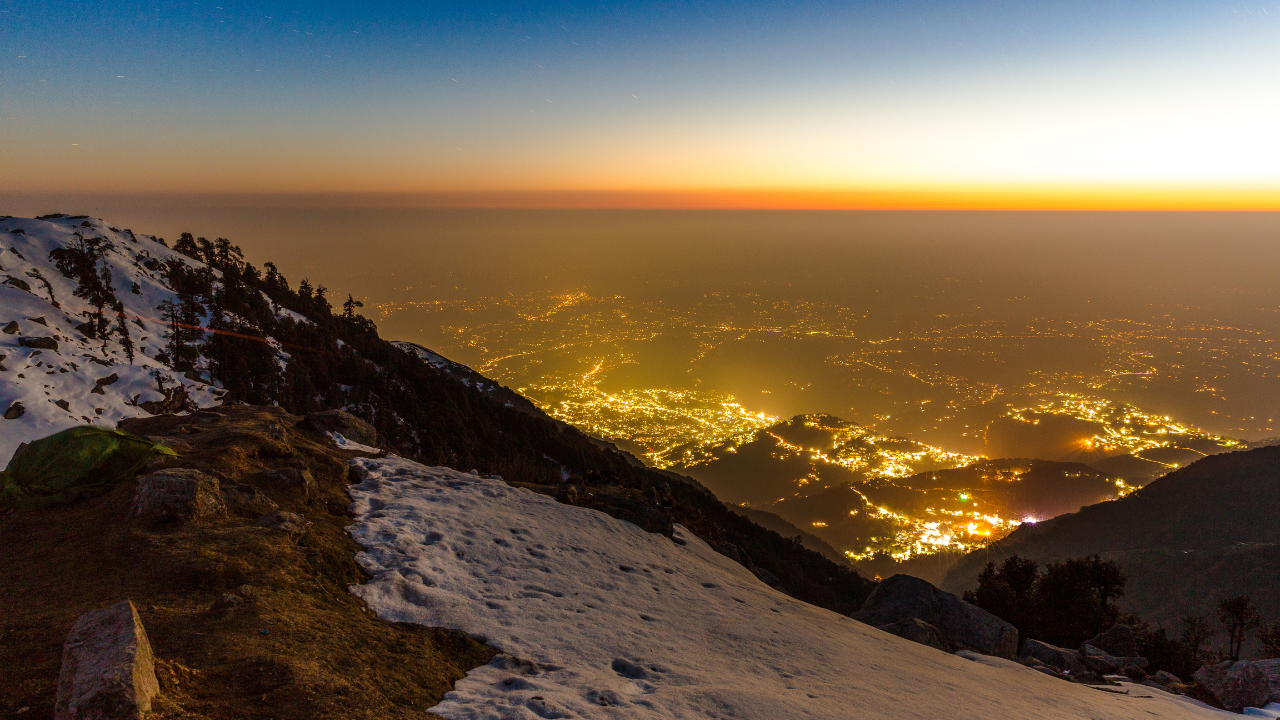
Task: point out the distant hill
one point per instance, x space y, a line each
770 521
1188 539
841 482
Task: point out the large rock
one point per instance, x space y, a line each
344 423
1104 663
1061 658
1119 641
918 631
1166 681
177 494
38 343
962 624
1235 685
108 670
1271 668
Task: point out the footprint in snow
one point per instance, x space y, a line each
541 707
604 698
514 683
633 670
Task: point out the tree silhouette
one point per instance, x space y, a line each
1240 616
1195 631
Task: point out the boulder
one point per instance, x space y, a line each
730 551
15 411
1118 641
1061 658
177 494
766 577
1166 681
962 624
1271 668
108 669
18 283
1235 686
1088 652
343 423
11 328
1134 673
918 631
103 382
38 343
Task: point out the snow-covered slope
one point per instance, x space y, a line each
598 619
71 385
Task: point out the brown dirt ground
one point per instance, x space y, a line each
305 648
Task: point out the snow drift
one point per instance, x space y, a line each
598 619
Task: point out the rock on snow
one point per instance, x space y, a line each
598 619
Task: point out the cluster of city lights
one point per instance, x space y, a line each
1122 427
578 356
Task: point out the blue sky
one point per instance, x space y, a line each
407 97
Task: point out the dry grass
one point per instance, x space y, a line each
301 647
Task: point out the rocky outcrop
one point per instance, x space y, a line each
38 343
176 495
108 670
962 624
1118 641
1166 681
1271 668
1234 686
1105 663
1063 659
918 631
344 423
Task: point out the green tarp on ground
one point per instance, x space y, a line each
75 463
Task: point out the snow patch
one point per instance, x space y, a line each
599 619
344 444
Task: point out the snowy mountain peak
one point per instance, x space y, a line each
83 334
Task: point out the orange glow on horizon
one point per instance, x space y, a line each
976 197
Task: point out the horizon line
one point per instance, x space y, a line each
991 198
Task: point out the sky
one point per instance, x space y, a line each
1047 104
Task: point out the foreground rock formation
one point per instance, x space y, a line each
244 620
908 607
108 670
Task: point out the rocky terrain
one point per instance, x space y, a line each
245 600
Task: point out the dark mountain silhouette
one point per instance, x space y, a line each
1187 540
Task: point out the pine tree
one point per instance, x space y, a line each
122 328
1195 631
1240 616
349 308
187 245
